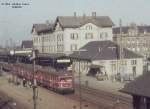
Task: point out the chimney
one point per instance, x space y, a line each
84 15
47 22
94 14
75 14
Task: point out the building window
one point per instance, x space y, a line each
59 37
113 67
134 71
101 35
74 36
62 37
88 27
73 47
60 48
133 62
104 35
89 36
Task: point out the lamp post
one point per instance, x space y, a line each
33 58
80 90
12 53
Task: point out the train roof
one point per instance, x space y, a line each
50 70
54 72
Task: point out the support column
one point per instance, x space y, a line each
136 101
147 103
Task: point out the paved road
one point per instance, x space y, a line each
107 86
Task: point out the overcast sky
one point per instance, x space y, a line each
16 23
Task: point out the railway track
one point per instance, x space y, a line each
104 100
9 103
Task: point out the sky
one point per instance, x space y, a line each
16 23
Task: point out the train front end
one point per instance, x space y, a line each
66 84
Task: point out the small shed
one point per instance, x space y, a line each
140 91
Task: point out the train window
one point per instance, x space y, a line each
62 79
67 79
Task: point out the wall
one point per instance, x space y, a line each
127 66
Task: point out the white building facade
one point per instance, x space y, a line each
69 33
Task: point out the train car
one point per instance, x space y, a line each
60 81
6 67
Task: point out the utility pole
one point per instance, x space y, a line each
34 80
42 47
80 91
121 52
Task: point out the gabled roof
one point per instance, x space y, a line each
78 21
27 44
141 29
103 50
140 86
42 28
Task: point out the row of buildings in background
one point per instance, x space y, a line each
116 50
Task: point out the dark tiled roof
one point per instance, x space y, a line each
51 55
4 54
42 28
95 66
44 55
103 50
77 21
125 29
27 44
140 86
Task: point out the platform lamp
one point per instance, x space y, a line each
12 53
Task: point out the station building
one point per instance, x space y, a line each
106 55
69 33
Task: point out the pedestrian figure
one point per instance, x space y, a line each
24 82
30 84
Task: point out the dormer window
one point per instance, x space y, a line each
88 27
